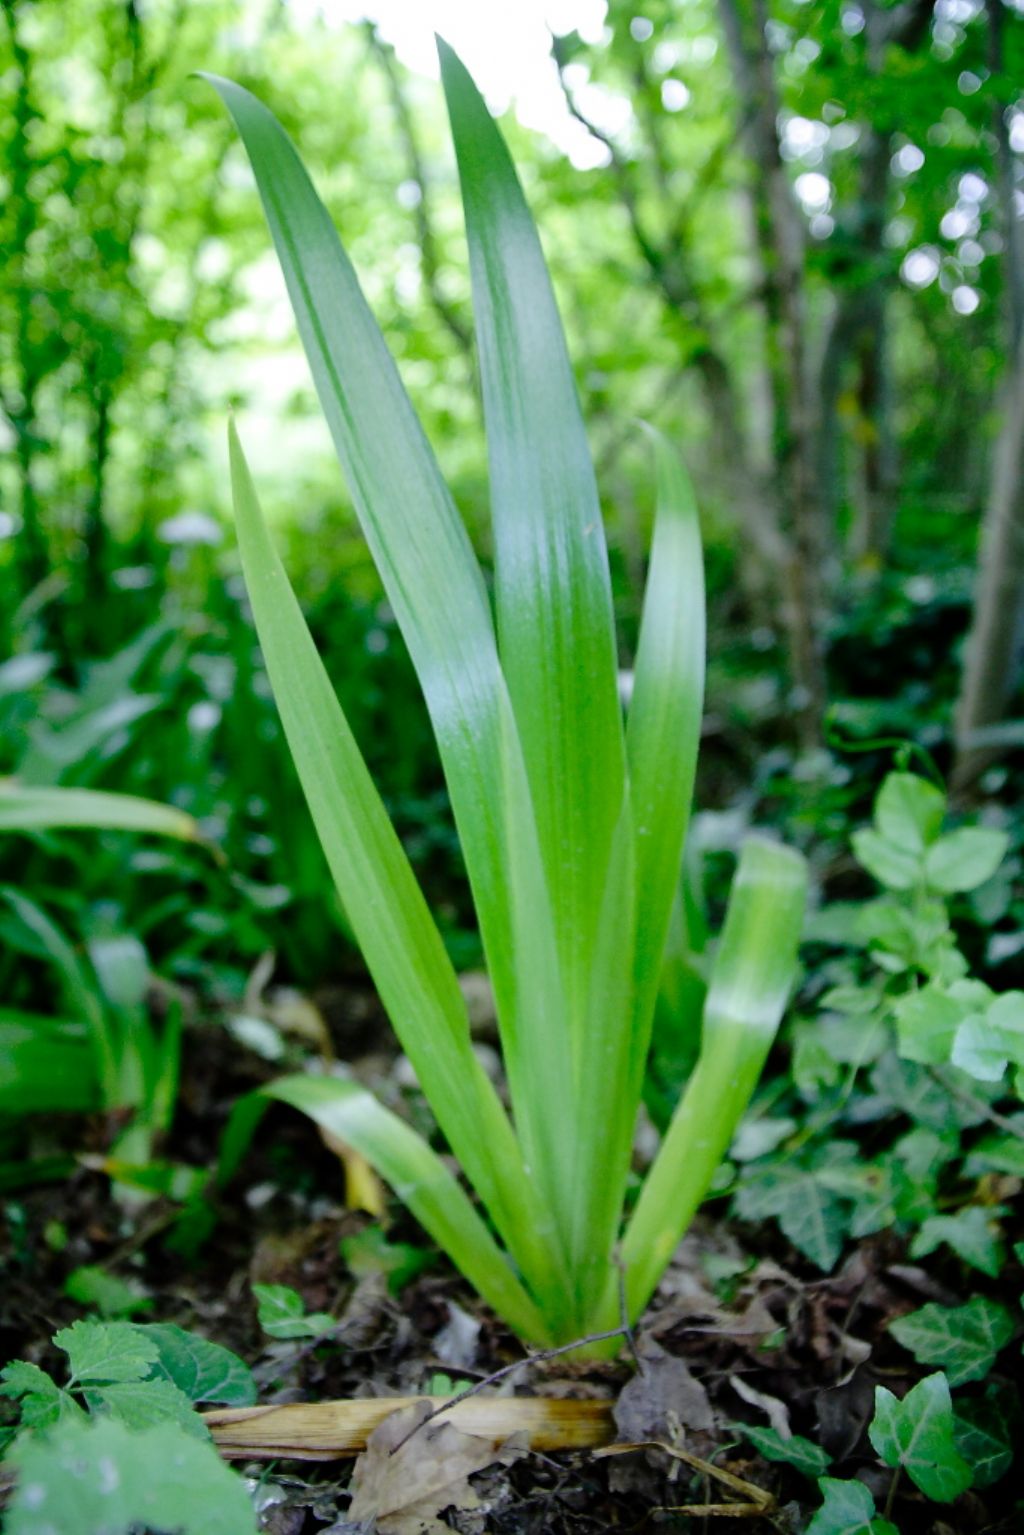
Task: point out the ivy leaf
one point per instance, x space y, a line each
102 1478
807 1457
986 1431
204 1371
868 1186
909 811
962 1340
282 1313
142 1403
106 1351
917 1434
997 1153
965 859
811 1217
971 1233
42 1400
848 1509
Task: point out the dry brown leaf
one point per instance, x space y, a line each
408 1474
776 1410
661 1398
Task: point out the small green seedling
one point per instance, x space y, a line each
282 1313
572 821
106 1052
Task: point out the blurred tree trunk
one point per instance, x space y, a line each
780 243
993 654
857 334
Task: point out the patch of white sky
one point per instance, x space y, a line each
507 50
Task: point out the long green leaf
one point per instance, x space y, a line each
434 584
385 905
24 807
663 729
418 1177
751 980
552 585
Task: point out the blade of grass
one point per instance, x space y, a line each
418 1177
385 905
434 585
751 980
24 807
80 990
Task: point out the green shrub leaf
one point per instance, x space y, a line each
909 811
965 859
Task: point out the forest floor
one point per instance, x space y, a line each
743 1332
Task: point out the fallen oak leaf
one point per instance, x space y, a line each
405 1479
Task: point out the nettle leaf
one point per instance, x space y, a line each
810 1215
807 1457
893 866
985 1046
106 1351
917 1434
848 1509
972 1233
42 1400
986 1430
909 811
282 1313
965 859
204 1371
962 1340
142 1403
102 1478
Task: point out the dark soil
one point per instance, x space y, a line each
743 1330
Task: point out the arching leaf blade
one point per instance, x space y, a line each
396 933
552 586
